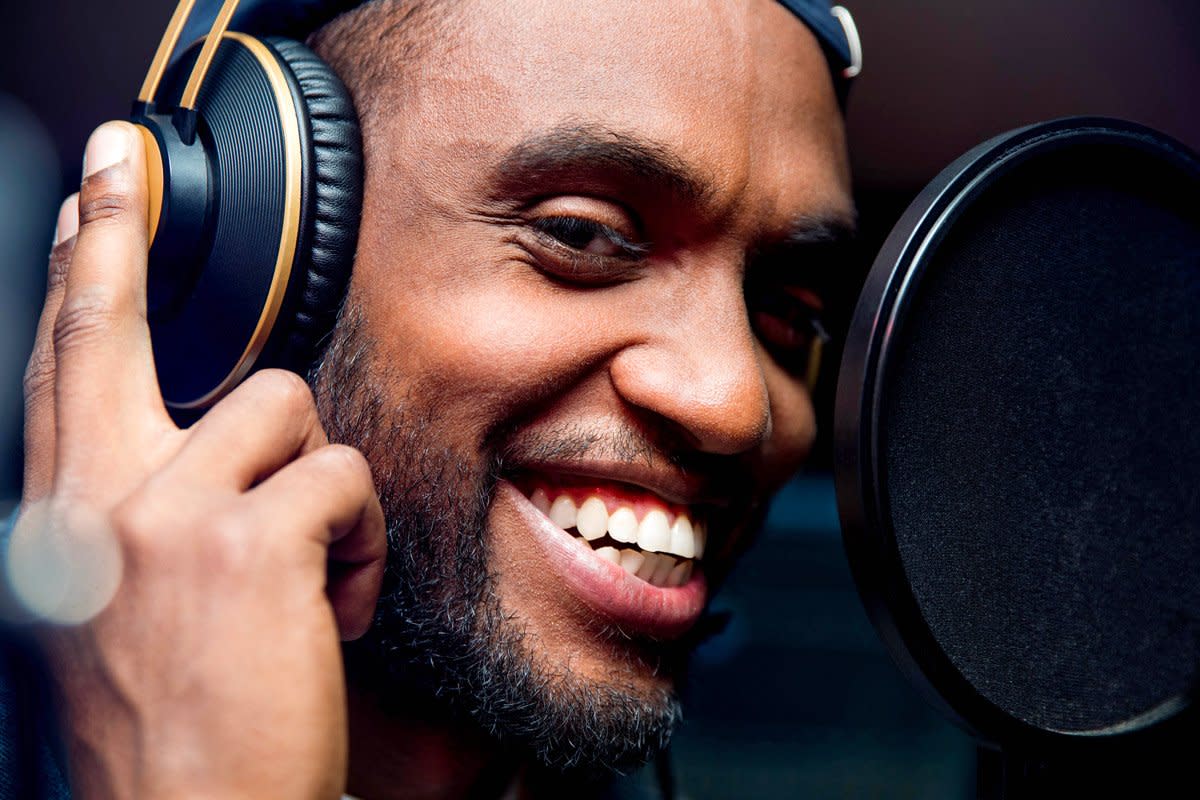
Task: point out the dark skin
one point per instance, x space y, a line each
700 140
663 344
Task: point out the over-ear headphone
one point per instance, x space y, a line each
254 157
255 160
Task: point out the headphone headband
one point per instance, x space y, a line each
833 26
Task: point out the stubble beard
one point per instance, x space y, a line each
440 643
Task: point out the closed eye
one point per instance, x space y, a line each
589 236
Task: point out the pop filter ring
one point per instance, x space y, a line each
868 536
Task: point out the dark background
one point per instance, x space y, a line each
797 698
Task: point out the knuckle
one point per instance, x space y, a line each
105 201
39 373
347 462
138 525
84 318
288 391
154 537
226 541
226 528
60 264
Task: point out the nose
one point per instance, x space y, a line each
699 369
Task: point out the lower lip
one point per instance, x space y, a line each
628 602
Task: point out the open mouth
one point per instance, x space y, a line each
651 539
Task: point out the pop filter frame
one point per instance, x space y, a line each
862 493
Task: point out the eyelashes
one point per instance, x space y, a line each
575 249
790 323
590 237
586 251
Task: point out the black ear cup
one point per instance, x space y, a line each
259 217
334 206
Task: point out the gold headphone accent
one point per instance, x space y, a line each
154 181
204 60
813 373
290 232
162 56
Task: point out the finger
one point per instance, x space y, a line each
265 423
39 372
330 495
67 224
105 387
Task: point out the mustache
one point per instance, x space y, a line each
727 477
577 444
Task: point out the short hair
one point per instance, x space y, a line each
375 45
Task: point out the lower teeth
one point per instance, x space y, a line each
657 569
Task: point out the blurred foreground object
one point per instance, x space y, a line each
29 181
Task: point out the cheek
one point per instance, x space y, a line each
484 332
794 426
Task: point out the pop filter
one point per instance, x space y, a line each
1017 450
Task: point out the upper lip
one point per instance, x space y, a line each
671 484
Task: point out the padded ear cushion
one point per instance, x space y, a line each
333 179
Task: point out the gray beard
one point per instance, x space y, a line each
440 644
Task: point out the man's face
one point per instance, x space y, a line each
560 224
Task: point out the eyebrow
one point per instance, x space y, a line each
809 230
817 248
807 236
569 150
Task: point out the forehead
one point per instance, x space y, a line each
740 91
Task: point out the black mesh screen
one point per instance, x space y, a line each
1041 440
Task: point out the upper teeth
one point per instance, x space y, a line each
623 525
683 538
592 519
655 533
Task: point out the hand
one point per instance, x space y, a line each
215 669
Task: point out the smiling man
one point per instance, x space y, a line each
575 353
